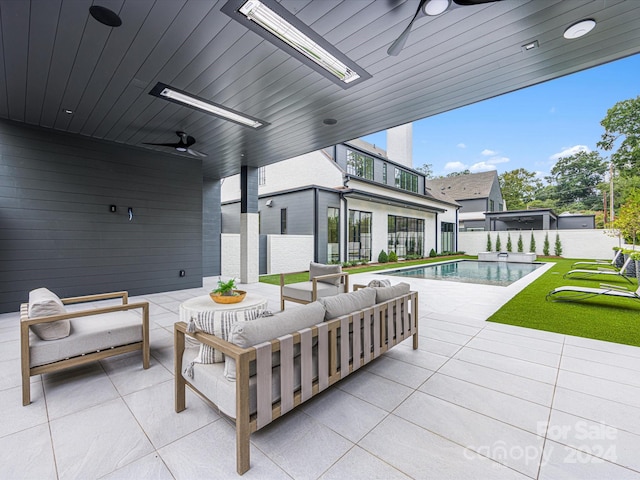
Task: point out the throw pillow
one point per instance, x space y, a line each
318 269
384 294
345 303
44 303
379 283
220 324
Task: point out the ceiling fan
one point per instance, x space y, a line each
184 145
430 8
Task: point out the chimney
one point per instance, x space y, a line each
400 144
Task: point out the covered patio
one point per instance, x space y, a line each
477 400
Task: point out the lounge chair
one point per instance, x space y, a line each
602 263
571 293
586 273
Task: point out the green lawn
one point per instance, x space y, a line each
603 318
303 277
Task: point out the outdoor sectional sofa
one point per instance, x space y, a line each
274 363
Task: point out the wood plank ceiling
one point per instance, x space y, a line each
55 56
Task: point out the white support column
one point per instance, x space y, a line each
249 248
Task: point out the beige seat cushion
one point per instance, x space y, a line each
345 303
304 290
45 303
88 334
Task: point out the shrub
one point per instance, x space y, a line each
382 257
509 245
557 247
392 256
489 242
520 244
545 245
498 243
532 245
433 253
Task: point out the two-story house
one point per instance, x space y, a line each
352 201
477 194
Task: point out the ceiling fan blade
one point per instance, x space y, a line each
396 47
196 153
189 140
466 3
172 145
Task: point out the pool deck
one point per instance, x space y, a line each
476 400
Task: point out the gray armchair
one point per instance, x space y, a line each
324 281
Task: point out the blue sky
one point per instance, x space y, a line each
530 128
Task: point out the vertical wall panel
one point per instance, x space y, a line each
211 228
56 228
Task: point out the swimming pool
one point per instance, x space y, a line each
470 271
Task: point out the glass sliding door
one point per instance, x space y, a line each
359 235
405 236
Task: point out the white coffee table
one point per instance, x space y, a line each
192 307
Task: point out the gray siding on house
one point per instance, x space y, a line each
57 230
300 213
473 205
211 228
570 222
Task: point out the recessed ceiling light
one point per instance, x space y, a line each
435 7
105 16
67 111
329 121
579 29
276 24
183 98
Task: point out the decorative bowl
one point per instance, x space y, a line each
227 299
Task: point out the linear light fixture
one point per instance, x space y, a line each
180 97
276 24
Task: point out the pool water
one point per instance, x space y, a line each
470 271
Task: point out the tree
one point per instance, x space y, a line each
545 245
532 244
426 169
622 122
509 245
488 242
557 248
576 179
519 187
520 244
498 244
628 219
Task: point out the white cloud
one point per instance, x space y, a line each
568 151
461 145
482 167
454 167
487 153
497 160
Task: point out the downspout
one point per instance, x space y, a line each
457 230
345 221
316 242
436 249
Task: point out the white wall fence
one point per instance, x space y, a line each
575 243
285 253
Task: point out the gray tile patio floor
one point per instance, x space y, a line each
476 400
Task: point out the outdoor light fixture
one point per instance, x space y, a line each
579 29
530 46
183 98
276 24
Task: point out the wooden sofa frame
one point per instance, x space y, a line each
392 321
26 322
343 276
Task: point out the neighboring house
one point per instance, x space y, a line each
352 201
476 193
538 219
